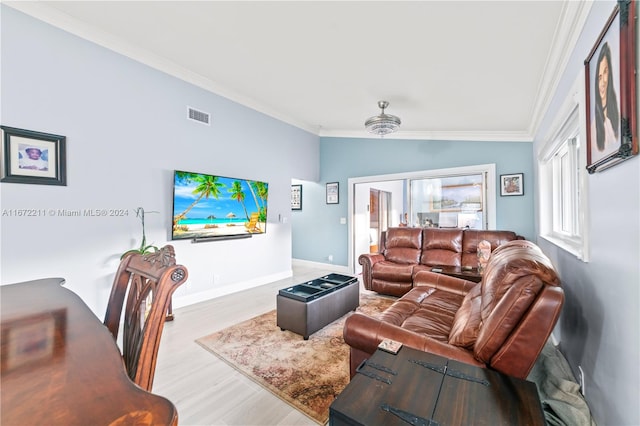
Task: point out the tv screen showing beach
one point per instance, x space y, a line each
217 206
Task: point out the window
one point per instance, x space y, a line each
456 201
562 175
564 169
453 202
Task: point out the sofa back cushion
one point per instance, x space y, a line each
403 245
441 247
473 236
514 277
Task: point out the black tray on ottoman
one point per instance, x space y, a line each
317 288
306 308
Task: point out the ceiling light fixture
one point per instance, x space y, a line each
384 123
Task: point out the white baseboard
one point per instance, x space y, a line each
190 299
319 265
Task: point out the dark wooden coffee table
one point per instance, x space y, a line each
469 274
427 389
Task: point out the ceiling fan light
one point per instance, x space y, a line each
382 124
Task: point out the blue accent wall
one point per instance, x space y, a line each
344 158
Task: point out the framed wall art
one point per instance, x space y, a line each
33 157
457 198
610 88
512 184
296 197
332 193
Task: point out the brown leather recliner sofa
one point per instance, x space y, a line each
408 251
502 322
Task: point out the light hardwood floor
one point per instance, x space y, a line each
206 390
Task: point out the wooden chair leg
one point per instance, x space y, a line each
169 316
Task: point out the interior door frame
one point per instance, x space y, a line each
489 169
381 198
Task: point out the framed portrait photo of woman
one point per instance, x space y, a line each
611 91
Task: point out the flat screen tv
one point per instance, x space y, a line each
209 206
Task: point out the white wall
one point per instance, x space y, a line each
126 132
600 318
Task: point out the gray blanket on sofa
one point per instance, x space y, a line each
562 402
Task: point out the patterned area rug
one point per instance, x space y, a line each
308 374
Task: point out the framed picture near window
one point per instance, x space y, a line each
296 197
332 193
456 198
512 184
33 157
610 85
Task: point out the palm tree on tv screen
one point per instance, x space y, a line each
259 188
238 194
252 188
258 192
262 190
206 186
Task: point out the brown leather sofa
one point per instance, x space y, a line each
502 322
408 251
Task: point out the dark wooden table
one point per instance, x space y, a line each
469 274
420 386
61 366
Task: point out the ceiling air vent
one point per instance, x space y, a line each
199 116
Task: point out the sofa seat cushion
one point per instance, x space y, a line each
426 311
391 288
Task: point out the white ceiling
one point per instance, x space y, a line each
475 70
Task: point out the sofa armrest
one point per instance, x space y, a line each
365 333
443 282
367 261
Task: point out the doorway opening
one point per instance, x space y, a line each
454 197
379 216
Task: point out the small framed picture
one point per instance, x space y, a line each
33 157
512 184
296 197
332 193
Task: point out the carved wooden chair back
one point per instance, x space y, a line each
148 281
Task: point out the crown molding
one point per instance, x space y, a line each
479 136
573 17
569 26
